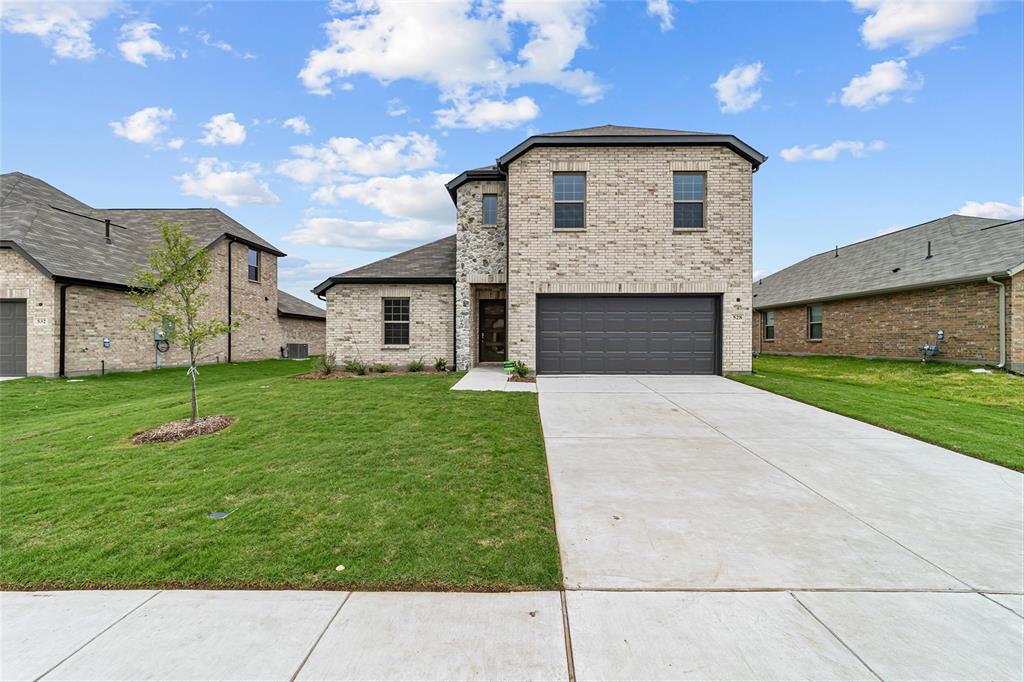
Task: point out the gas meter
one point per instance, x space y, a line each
160 340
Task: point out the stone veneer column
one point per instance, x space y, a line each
481 257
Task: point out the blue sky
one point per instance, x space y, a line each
308 124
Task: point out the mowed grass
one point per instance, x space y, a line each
404 483
981 415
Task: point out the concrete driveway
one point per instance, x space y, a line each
688 507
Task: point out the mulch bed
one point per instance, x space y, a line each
522 380
183 428
369 375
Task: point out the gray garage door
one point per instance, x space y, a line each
628 335
13 339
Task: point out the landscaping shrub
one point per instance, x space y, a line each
520 369
381 367
415 366
441 365
356 367
325 364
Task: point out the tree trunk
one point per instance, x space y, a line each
195 404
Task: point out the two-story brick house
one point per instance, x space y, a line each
64 268
600 250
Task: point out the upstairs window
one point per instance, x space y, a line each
490 209
396 322
815 315
254 265
688 200
570 200
769 325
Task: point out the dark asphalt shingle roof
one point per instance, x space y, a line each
55 230
610 129
433 261
293 306
964 248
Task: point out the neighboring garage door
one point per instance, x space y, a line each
13 339
628 335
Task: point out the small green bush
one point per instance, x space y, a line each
441 365
415 366
325 364
381 367
520 368
356 367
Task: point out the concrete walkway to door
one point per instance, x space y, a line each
690 506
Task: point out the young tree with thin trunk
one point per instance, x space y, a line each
169 289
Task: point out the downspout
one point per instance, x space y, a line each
231 242
63 328
1002 321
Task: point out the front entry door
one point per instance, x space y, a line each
492 330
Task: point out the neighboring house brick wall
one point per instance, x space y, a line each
629 245
19 279
482 252
254 304
894 325
302 330
355 322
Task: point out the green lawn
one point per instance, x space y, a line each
401 481
981 415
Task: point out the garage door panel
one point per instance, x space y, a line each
627 334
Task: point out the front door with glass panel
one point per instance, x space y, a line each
492 330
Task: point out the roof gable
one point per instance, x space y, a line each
962 248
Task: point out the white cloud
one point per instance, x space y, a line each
396 108
464 48
221 181
137 43
144 126
737 90
206 39
340 158
176 143
879 84
421 197
662 10
761 274
62 27
919 24
298 125
372 235
993 209
485 114
298 275
223 129
813 152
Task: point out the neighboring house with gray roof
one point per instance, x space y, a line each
610 249
64 270
886 296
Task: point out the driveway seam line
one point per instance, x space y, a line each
567 636
999 603
822 496
838 638
742 590
100 633
316 642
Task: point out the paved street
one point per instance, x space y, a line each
708 530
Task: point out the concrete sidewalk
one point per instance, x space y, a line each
194 635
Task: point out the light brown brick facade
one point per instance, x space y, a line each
355 323
893 325
313 333
629 245
94 313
